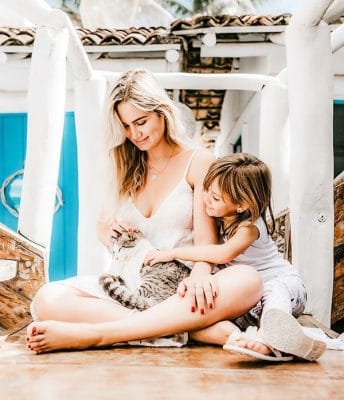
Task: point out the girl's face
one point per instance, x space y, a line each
216 205
143 128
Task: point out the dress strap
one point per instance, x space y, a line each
189 163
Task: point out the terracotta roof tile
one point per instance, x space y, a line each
99 37
205 21
156 35
17 36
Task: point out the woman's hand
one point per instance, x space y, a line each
156 256
201 290
109 233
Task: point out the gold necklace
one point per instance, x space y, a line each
155 171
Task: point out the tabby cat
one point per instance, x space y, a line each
150 285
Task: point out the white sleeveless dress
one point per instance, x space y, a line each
170 226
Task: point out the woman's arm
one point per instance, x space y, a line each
204 227
212 253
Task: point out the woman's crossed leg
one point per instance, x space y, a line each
92 322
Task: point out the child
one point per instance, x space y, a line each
238 193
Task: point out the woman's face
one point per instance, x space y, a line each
144 129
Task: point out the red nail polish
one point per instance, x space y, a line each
211 306
33 330
193 309
202 311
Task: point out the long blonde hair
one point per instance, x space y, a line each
140 89
243 178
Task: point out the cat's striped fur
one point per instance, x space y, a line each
156 282
159 282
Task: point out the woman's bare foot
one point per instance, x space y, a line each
43 337
241 340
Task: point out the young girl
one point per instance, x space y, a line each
238 194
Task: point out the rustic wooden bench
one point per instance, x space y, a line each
24 264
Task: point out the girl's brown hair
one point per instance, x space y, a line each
243 178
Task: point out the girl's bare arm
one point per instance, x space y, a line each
212 253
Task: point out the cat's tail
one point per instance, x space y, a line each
114 286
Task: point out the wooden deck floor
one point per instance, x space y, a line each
136 373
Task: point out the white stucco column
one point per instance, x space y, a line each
274 143
310 78
89 118
46 110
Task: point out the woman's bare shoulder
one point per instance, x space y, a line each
203 157
200 164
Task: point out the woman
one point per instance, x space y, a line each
159 191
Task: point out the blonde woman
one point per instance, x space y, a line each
159 191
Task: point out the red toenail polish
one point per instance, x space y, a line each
211 306
202 311
33 331
193 309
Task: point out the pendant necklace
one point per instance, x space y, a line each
156 172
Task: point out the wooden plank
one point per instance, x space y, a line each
193 372
16 293
338 283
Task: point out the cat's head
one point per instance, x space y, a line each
128 239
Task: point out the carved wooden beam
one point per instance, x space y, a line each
25 268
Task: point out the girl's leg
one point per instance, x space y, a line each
60 302
286 294
239 289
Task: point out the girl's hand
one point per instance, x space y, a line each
156 256
201 290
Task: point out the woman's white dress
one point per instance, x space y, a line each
170 226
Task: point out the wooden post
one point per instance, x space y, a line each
274 146
89 118
311 173
46 108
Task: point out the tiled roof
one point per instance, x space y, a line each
99 37
17 36
205 21
143 36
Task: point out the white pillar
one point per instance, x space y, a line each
311 175
46 110
274 146
89 118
